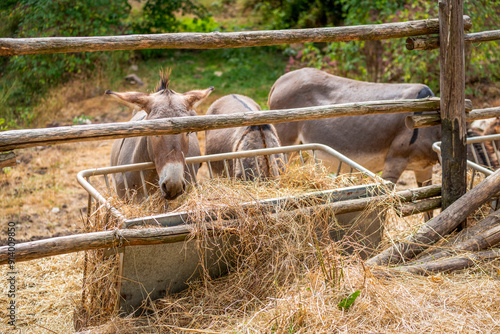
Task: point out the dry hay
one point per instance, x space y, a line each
46 292
212 193
287 276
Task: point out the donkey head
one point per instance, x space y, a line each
168 152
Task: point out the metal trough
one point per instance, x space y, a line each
150 272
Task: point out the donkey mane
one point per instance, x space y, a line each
164 80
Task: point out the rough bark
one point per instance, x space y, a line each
8 159
75 243
419 207
216 40
486 239
16 139
432 42
451 264
441 225
452 85
424 120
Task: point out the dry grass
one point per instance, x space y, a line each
288 277
47 292
222 192
283 290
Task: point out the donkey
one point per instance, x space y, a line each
243 138
377 142
167 152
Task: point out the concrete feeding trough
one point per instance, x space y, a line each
152 271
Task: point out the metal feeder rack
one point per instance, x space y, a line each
152 271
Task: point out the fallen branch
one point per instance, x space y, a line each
440 225
484 240
483 225
451 264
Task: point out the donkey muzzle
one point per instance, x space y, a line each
171 180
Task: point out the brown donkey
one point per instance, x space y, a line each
167 152
241 139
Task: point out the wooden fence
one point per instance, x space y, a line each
452 105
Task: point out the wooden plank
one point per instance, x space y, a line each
452 86
425 120
216 40
432 42
15 139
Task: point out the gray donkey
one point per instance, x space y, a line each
241 139
168 152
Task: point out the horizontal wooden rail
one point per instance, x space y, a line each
148 236
16 139
425 205
217 40
432 42
422 121
88 241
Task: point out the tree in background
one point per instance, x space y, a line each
25 78
386 60
285 14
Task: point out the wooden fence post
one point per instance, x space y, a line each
452 87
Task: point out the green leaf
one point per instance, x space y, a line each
348 301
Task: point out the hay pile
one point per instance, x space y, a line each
288 277
219 192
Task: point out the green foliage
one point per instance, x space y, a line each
389 61
247 71
35 74
63 18
346 303
158 16
82 119
285 14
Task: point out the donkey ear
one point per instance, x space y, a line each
194 97
132 99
